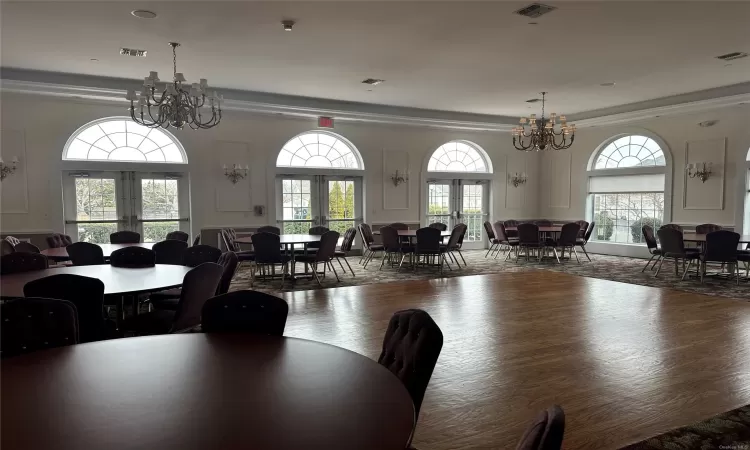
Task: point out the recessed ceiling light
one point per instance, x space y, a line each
287 24
143 14
610 84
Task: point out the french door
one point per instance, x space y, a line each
305 201
460 201
97 204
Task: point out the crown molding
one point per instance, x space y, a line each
112 90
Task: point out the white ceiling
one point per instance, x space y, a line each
474 57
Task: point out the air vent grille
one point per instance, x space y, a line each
534 100
535 10
732 56
133 52
372 81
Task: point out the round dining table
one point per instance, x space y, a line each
413 233
286 239
202 391
61 253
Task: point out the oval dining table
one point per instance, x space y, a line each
202 391
61 253
288 241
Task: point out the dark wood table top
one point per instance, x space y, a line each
695 237
552 229
286 239
202 391
413 233
117 280
61 253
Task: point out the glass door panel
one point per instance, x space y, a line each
472 212
94 205
440 203
342 197
298 204
160 205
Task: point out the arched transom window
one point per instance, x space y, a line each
630 151
458 156
318 149
120 139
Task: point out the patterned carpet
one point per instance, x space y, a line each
615 268
729 430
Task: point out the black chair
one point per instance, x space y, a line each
346 247
124 237
440 226
86 293
567 240
529 239
316 231
707 228
369 247
32 323
545 432
198 254
743 256
171 251
54 241
269 229
463 227
509 224
721 247
392 246
502 236
228 235
197 240
170 298
494 242
542 223
672 226
652 244
245 311
178 236
18 262
411 348
454 243
199 284
6 248
133 257
429 246
673 246
398 226
27 247
584 227
581 242
325 254
268 254
85 254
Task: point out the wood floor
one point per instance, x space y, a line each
626 362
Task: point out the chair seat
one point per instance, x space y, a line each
283 260
689 254
375 247
153 322
743 255
340 254
580 241
245 256
166 300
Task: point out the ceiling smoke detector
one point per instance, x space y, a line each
287 24
373 81
535 10
732 56
133 52
143 14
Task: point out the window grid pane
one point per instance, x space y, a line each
620 216
630 151
456 156
316 149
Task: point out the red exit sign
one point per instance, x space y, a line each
325 122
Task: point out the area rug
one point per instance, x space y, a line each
614 268
729 430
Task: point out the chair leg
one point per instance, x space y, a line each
284 270
656 261
492 247
554 250
583 247
338 259
315 274
687 268
659 269
381 261
462 257
330 264
348 265
403 257
647 263
703 270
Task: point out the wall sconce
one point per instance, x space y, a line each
400 177
700 170
518 178
7 169
236 173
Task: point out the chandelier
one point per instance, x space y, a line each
541 134
177 106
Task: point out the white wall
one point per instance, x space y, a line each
36 128
719 200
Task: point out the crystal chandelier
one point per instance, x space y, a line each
541 134
176 106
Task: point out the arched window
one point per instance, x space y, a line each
627 180
319 149
459 156
121 139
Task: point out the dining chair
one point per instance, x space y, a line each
268 254
502 236
124 237
494 242
529 239
86 293
582 241
32 323
245 312
454 243
429 245
673 226
178 236
369 247
18 262
707 228
584 226
85 254
411 348
197 240
27 247
133 257
545 432
392 245
460 244
509 224
652 245
54 241
325 254
673 246
346 247
721 247
199 285
6 248
171 251
198 254
439 225
315 231
542 223
399 226
228 235
269 229
568 239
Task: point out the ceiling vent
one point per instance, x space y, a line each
372 81
133 52
534 100
732 56
535 10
